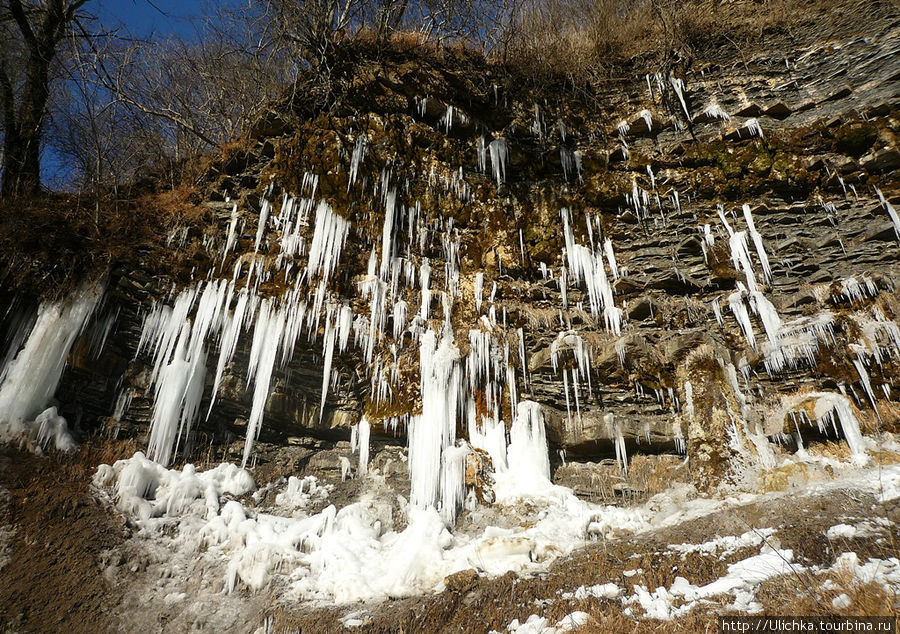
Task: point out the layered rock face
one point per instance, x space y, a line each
700 259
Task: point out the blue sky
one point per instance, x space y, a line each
146 17
141 19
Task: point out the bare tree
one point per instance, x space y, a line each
311 25
132 108
41 26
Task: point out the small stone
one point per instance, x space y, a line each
883 160
461 581
778 111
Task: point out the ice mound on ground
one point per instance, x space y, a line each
346 555
147 489
48 427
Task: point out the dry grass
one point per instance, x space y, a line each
53 581
780 596
591 39
50 242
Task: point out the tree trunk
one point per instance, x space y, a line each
22 172
22 146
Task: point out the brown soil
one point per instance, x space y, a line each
53 580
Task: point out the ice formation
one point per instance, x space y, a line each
47 427
715 111
895 218
433 433
678 87
527 454
753 128
30 379
499 158
353 554
586 266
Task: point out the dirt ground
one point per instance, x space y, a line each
52 581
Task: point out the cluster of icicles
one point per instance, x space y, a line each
179 336
397 295
791 345
393 308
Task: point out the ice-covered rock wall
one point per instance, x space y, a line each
455 257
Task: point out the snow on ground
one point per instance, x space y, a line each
351 554
364 552
539 625
885 572
742 580
724 546
599 591
866 528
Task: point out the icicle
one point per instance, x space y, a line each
180 366
736 303
264 209
32 377
714 111
753 128
479 286
678 86
527 453
424 281
328 356
584 266
499 156
689 400
387 233
232 235
757 241
895 219
271 324
620 350
481 149
328 240
488 434
453 481
828 403
363 443
867 386
435 430
359 155
176 403
741 258
567 158
228 343
717 311
399 319
511 382
537 125
611 258
522 359
619 441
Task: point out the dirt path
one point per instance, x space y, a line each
53 579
